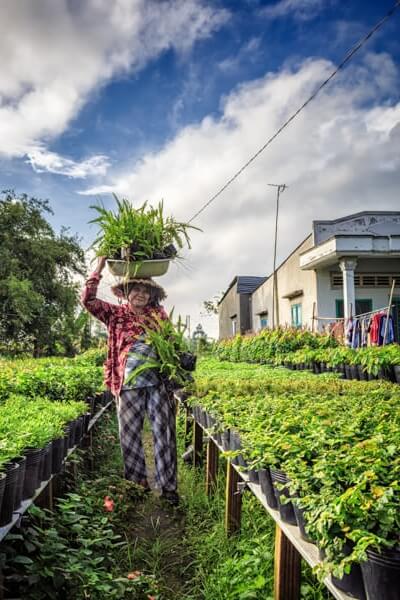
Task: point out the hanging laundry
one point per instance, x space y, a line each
356 334
389 333
348 331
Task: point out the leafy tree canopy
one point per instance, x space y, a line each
38 295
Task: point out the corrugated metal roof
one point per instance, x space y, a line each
247 284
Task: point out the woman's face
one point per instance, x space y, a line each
139 296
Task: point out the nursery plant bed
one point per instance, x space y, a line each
143 268
25 504
307 550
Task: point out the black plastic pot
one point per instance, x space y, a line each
2 486
196 413
323 367
10 489
362 376
347 372
352 583
45 470
210 421
299 514
57 455
381 373
71 439
90 401
389 373
66 440
225 439
396 373
20 484
253 476
86 421
267 487
234 445
78 431
32 471
286 510
354 371
381 574
341 369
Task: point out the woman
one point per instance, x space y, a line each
127 349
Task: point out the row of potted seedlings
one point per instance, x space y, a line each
364 364
319 353
329 463
37 435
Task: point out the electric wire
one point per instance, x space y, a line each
346 59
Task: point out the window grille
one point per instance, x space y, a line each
368 280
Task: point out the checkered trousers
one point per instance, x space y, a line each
133 404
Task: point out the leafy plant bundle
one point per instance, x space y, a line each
170 346
143 233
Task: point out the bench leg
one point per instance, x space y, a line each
212 467
287 577
233 506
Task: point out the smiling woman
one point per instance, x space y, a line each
127 325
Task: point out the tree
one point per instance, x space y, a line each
211 306
38 295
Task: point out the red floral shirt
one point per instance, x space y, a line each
124 327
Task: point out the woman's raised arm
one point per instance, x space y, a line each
98 308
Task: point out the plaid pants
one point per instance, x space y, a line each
133 404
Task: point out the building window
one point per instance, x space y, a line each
234 325
362 306
369 280
296 315
263 320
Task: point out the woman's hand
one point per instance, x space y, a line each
101 263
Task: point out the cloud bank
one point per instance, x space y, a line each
340 156
55 55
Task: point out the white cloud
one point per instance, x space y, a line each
340 156
302 10
43 160
56 54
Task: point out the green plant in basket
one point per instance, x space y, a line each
142 233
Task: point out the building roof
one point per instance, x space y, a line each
245 284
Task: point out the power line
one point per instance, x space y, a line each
346 59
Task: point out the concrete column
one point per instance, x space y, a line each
347 266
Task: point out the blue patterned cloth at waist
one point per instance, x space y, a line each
139 353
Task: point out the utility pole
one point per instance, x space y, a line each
188 325
280 188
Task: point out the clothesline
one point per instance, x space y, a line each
371 312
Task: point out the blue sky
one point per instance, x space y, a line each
168 98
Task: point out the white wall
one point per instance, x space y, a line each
289 279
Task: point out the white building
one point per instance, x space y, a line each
346 266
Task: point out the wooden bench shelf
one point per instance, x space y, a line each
289 545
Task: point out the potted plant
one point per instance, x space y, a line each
139 242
